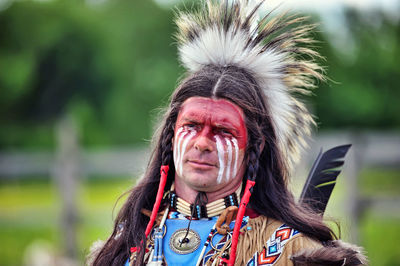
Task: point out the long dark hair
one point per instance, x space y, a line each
270 197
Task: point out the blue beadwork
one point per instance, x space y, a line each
273 249
172 200
231 199
198 211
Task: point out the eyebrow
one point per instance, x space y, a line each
193 120
219 125
227 126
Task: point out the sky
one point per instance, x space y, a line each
390 6
320 6
331 13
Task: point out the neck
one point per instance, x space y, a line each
203 209
189 194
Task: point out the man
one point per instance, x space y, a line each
230 135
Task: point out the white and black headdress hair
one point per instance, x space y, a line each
274 50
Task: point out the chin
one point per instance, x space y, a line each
202 184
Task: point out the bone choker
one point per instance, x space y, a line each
204 211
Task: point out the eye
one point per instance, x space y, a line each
225 132
189 126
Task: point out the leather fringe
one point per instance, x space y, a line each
252 238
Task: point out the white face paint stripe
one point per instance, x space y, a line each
181 138
185 143
176 140
178 148
220 149
228 167
235 143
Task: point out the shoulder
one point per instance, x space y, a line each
298 244
274 243
263 241
277 242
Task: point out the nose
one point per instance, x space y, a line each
204 142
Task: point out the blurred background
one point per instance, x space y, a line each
82 83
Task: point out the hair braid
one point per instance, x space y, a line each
166 142
253 153
253 164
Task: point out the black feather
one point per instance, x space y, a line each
322 178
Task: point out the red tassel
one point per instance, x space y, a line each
239 218
163 179
223 261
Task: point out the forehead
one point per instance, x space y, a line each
215 110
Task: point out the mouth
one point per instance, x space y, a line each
201 164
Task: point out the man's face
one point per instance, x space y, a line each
209 143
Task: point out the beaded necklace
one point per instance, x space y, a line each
204 211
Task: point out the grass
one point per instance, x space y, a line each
380 238
30 216
380 231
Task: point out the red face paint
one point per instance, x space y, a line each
209 143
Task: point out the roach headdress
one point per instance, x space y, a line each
273 50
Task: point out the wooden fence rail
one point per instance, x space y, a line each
70 162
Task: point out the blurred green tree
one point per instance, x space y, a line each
365 74
111 64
